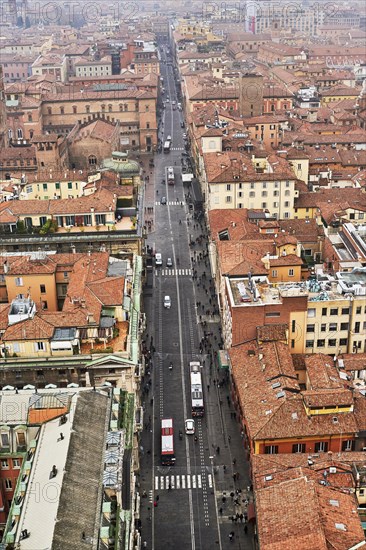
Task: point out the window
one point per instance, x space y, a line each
44 304
333 311
228 187
228 198
299 448
309 343
42 289
291 272
74 109
271 449
251 194
324 311
323 327
274 273
92 160
333 327
57 185
66 274
311 312
344 326
4 464
69 184
16 463
332 342
264 185
100 219
310 328
273 314
70 220
39 346
62 110
343 341
29 189
18 281
321 447
345 310
5 440
348 445
358 310
264 205
21 439
320 343
8 484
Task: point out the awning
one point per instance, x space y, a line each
251 511
223 359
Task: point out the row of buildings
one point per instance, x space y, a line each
278 143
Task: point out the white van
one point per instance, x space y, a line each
158 259
167 302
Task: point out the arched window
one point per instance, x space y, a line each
92 160
20 133
10 133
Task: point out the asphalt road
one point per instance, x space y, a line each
193 504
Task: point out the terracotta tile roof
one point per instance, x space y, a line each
239 257
327 397
109 290
286 521
321 519
24 265
4 311
30 329
278 412
272 333
65 319
353 361
305 230
289 259
234 220
322 373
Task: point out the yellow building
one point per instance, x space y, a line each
58 189
34 278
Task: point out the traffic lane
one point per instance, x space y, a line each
172 520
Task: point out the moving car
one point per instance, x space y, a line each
163 200
189 426
167 302
184 136
169 138
158 259
169 262
182 124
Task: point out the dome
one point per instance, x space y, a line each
121 164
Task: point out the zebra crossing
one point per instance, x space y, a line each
185 481
177 149
169 203
173 272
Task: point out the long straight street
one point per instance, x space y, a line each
197 502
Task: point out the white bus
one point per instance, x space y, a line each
170 175
198 408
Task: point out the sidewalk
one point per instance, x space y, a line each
232 482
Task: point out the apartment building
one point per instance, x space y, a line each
280 416
51 64
85 67
323 316
235 180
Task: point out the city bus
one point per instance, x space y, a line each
198 408
170 175
167 442
167 146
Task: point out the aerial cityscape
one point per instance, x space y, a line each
182 275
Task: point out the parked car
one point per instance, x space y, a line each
169 262
167 302
163 200
158 259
